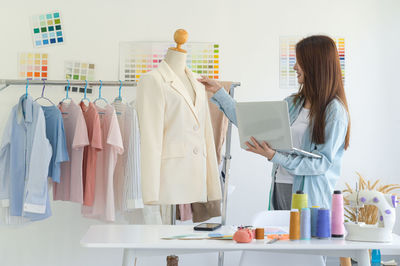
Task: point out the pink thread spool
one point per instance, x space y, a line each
337 214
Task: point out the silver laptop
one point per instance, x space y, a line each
267 121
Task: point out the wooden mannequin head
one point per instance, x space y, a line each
180 38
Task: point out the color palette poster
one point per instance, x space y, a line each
47 29
76 70
33 65
137 58
287 60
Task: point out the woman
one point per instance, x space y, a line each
320 123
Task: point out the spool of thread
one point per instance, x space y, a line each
324 223
259 233
305 224
337 214
172 260
294 230
314 219
299 200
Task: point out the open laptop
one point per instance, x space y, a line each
267 121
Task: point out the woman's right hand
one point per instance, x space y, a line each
210 84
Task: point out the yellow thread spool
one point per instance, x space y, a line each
299 200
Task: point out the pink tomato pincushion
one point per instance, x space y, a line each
243 236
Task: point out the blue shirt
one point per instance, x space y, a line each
316 177
25 154
56 135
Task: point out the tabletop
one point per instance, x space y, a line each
149 237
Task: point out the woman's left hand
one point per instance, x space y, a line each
263 149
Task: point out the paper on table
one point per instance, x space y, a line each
186 237
219 236
274 231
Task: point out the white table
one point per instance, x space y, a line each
144 240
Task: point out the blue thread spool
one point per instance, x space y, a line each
324 223
314 219
305 224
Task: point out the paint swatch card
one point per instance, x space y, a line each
287 60
137 58
76 70
340 44
47 29
33 65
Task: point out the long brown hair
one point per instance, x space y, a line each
318 58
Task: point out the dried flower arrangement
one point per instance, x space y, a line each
368 214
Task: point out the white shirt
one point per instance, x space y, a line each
298 129
127 185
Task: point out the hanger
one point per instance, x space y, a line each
119 98
67 96
42 96
26 88
85 98
100 98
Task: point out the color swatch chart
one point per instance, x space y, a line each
47 29
287 60
76 70
340 44
33 65
137 58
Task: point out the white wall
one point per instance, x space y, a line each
248 32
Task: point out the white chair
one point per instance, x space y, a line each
255 258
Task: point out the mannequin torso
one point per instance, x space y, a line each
177 62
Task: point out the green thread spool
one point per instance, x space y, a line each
299 200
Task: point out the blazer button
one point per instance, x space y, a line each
195 127
196 150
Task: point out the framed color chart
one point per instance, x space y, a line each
33 65
47 29
287 60
137 58
76 70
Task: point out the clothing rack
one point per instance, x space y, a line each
225 172
4 83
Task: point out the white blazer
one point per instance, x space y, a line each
178 157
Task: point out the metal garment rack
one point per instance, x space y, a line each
4 83
225 172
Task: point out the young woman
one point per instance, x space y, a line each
320 123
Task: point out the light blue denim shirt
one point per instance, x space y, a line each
25 154
56 135
316 177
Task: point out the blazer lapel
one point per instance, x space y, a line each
176 83
197 86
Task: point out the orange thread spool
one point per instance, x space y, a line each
259 233
294 232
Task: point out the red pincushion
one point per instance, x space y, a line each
243 236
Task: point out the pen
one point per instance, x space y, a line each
272 240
